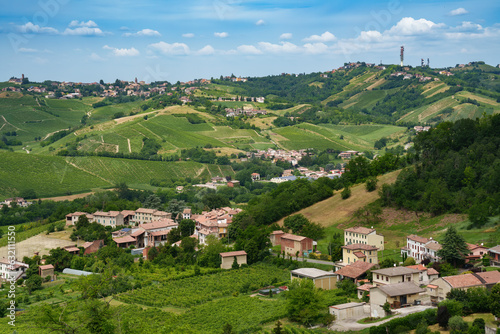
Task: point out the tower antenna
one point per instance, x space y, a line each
402 54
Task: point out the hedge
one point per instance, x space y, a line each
410 322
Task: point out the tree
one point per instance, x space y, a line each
409 262
228 329
187 227
235 264
494 300
457 325
454 249
174 235
296 222
346 193
175 206
152 202
443 316
371 184
304 301
33 283
387 308
215 201
277 329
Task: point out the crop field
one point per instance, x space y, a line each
296 138
107 112
365 99
434 88
48 176
368 133
424 113
192 291
23 116
480 98
134 172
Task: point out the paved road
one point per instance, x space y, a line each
352 325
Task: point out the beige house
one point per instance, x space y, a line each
439 288
397 295
228 259
359 252
111 218
363 235
46 270
395 275
325 280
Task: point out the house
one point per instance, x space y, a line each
155 233
476 251
395 275
72 218
359 252
12 270
354 271
233 183
363 235
255 176
143 215
425 274
397 295
111 218
421 248
439 288
494 256
349 311
126 241
92 246
179 189
186 214
364 288
347 154
128 216
228 259
325 280
291 244
72 250
46 270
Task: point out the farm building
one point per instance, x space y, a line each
349 310
325 280
228 259
47 270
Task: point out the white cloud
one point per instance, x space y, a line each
143 33
188 35
468 27
370 36
248 49
95 57
260 22
170 49
206 50
283 47
409 26
122 52
286 35
459 11
83 31
27 50
315 48
324 37
221 34
89 24
30 28
124 28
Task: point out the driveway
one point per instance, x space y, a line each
352 325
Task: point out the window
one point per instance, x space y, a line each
387 278
378 277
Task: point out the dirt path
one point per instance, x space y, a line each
67 198
129 147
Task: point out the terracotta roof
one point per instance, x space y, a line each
292 237
158 233
87 244
277 232
462 281
419 267
187 210
128 212
432 286
46 266
107 214
489 277
418 239
162 223
72 249
137 232
366 287
432 271
355 269
495 249
235 253
395 271
360 246
144 210
124 239
360 230
359 254
433 246
400 289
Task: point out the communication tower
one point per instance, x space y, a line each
402 54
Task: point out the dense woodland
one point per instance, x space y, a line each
457 169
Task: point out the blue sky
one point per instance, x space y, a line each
89 40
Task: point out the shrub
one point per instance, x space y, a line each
457 325
346 193
371 184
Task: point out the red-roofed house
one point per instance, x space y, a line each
359 252
46 270
228 259
12 270
126 241
354 271
92 246
291 244
111 218
444 284
155 233
494 256
426 274
421 248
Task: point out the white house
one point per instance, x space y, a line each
421 248
12 271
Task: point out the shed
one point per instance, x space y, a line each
47 270
348 310
326 280
228 259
